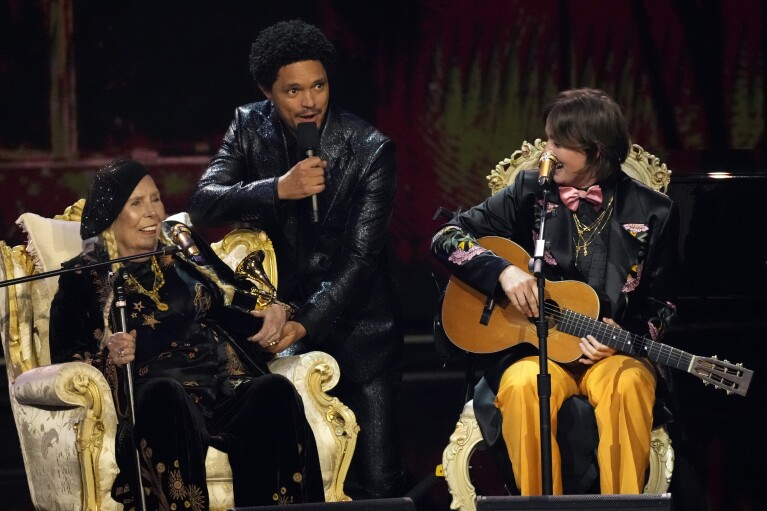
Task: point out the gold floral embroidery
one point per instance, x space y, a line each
179 494
151 479
110 372
233 363
176 486
101 284
282 498
202 298
196 499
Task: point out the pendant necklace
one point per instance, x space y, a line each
159 281
588 233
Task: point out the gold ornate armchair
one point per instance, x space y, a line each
467 437
64 413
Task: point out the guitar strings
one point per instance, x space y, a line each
580 325
720 375
631 343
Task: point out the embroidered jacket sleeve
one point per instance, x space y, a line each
506 214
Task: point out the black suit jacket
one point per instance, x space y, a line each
643 247
334 272
643 244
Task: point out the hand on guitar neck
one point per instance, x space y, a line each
479 324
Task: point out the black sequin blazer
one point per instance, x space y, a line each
335 271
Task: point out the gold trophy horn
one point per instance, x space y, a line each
252 269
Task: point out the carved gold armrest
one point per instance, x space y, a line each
333 423
82 391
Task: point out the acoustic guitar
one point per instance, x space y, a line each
480 324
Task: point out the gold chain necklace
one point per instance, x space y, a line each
159 281
593 230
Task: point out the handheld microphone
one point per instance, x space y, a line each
545 165
308 137
181 236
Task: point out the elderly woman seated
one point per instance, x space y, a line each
198 382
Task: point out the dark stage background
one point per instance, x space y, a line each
458 85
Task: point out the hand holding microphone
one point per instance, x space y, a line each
307 178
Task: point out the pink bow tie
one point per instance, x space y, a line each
571 196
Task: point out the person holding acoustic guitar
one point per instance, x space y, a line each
603 229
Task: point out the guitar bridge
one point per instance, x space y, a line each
487 311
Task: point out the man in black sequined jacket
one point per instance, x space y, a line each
333 272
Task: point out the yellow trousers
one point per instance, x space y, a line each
622 391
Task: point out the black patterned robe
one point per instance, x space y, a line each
195 387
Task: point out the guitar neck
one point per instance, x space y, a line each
580 326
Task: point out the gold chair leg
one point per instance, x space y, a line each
661 462
455 460
344 424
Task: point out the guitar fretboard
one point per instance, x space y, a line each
576 324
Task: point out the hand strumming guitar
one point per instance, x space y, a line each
522 290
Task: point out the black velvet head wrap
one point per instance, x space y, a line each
109 192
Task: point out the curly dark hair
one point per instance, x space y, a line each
287 42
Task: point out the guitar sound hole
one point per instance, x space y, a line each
553 312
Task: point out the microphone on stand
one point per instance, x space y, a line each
546 164
308 137
180 235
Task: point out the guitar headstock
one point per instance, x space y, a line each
732 378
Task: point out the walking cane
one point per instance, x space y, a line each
121 306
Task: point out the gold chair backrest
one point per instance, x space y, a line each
239 246
640 165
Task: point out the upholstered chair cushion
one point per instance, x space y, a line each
64 413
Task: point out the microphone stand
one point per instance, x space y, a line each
120 304
544 378
167 250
